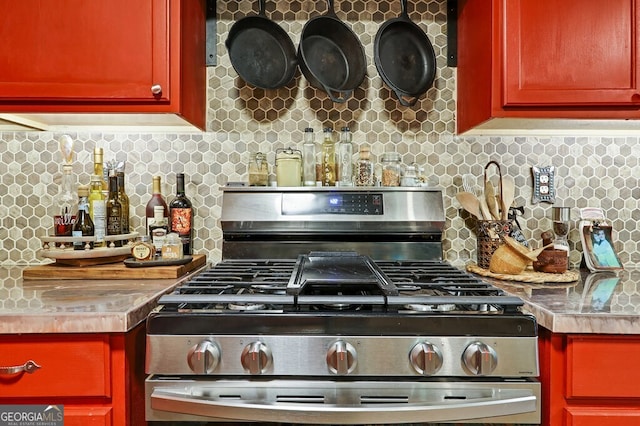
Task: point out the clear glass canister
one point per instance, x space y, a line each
410 176
309 158
391 169
288 167
364 174
258 170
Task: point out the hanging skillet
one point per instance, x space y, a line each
404 58
331 56
261 52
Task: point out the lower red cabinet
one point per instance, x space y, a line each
98 378
590 380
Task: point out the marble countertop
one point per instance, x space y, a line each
602 302
75 306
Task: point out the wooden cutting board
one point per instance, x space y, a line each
111 271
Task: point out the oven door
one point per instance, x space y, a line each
343 402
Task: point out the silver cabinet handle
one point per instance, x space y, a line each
27 367
156 89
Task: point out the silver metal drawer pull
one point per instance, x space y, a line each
28 367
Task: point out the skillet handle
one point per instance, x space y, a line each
405 100
340 97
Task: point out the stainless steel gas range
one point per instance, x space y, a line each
334 306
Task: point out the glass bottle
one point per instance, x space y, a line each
391 169
114 211
98 168
158 229
328 158
98 210
124 202
345 156
156 200
309 158
258 170
288 167
364 168
410 176
181 216
65 204
84 225
172 247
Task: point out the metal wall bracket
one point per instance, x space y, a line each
211 48
452 33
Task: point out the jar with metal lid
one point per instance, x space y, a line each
258 170
391 169
288 167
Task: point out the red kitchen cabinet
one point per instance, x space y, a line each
93 56
589 380
547 59
99 379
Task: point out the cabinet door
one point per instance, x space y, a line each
84 50
571 53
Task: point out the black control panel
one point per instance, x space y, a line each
333 203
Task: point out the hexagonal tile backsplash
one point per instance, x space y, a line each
591 171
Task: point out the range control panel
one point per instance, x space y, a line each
333 203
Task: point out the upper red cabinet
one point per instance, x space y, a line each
556 59
95 56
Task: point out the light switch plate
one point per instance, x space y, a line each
544 188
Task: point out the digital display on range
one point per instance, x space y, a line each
332 203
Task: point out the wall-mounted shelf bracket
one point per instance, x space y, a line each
452 33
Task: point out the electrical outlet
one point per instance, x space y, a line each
544 184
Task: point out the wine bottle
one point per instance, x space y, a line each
114 211
84 225
98 167
124 202
98 210
158 229
181 216
156 200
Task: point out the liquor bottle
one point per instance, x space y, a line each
158 229
156 200
114 211
98 167
345 158
328 158
84 225
309 158
98 210
181 216
65 204
124 202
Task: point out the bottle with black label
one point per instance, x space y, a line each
84 225
114 211
158 229
181 216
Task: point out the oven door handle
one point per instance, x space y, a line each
504 403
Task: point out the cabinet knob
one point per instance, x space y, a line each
156 89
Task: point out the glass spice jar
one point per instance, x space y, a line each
288 167
364 175
391 169
258 170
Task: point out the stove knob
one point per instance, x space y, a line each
203 358
256 358
426 358
341 358
479 359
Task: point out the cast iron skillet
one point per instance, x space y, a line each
261 51
331 56
404 58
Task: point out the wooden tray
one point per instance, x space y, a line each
528 276
112 271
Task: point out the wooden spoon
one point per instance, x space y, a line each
490 195
508 194
470 203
